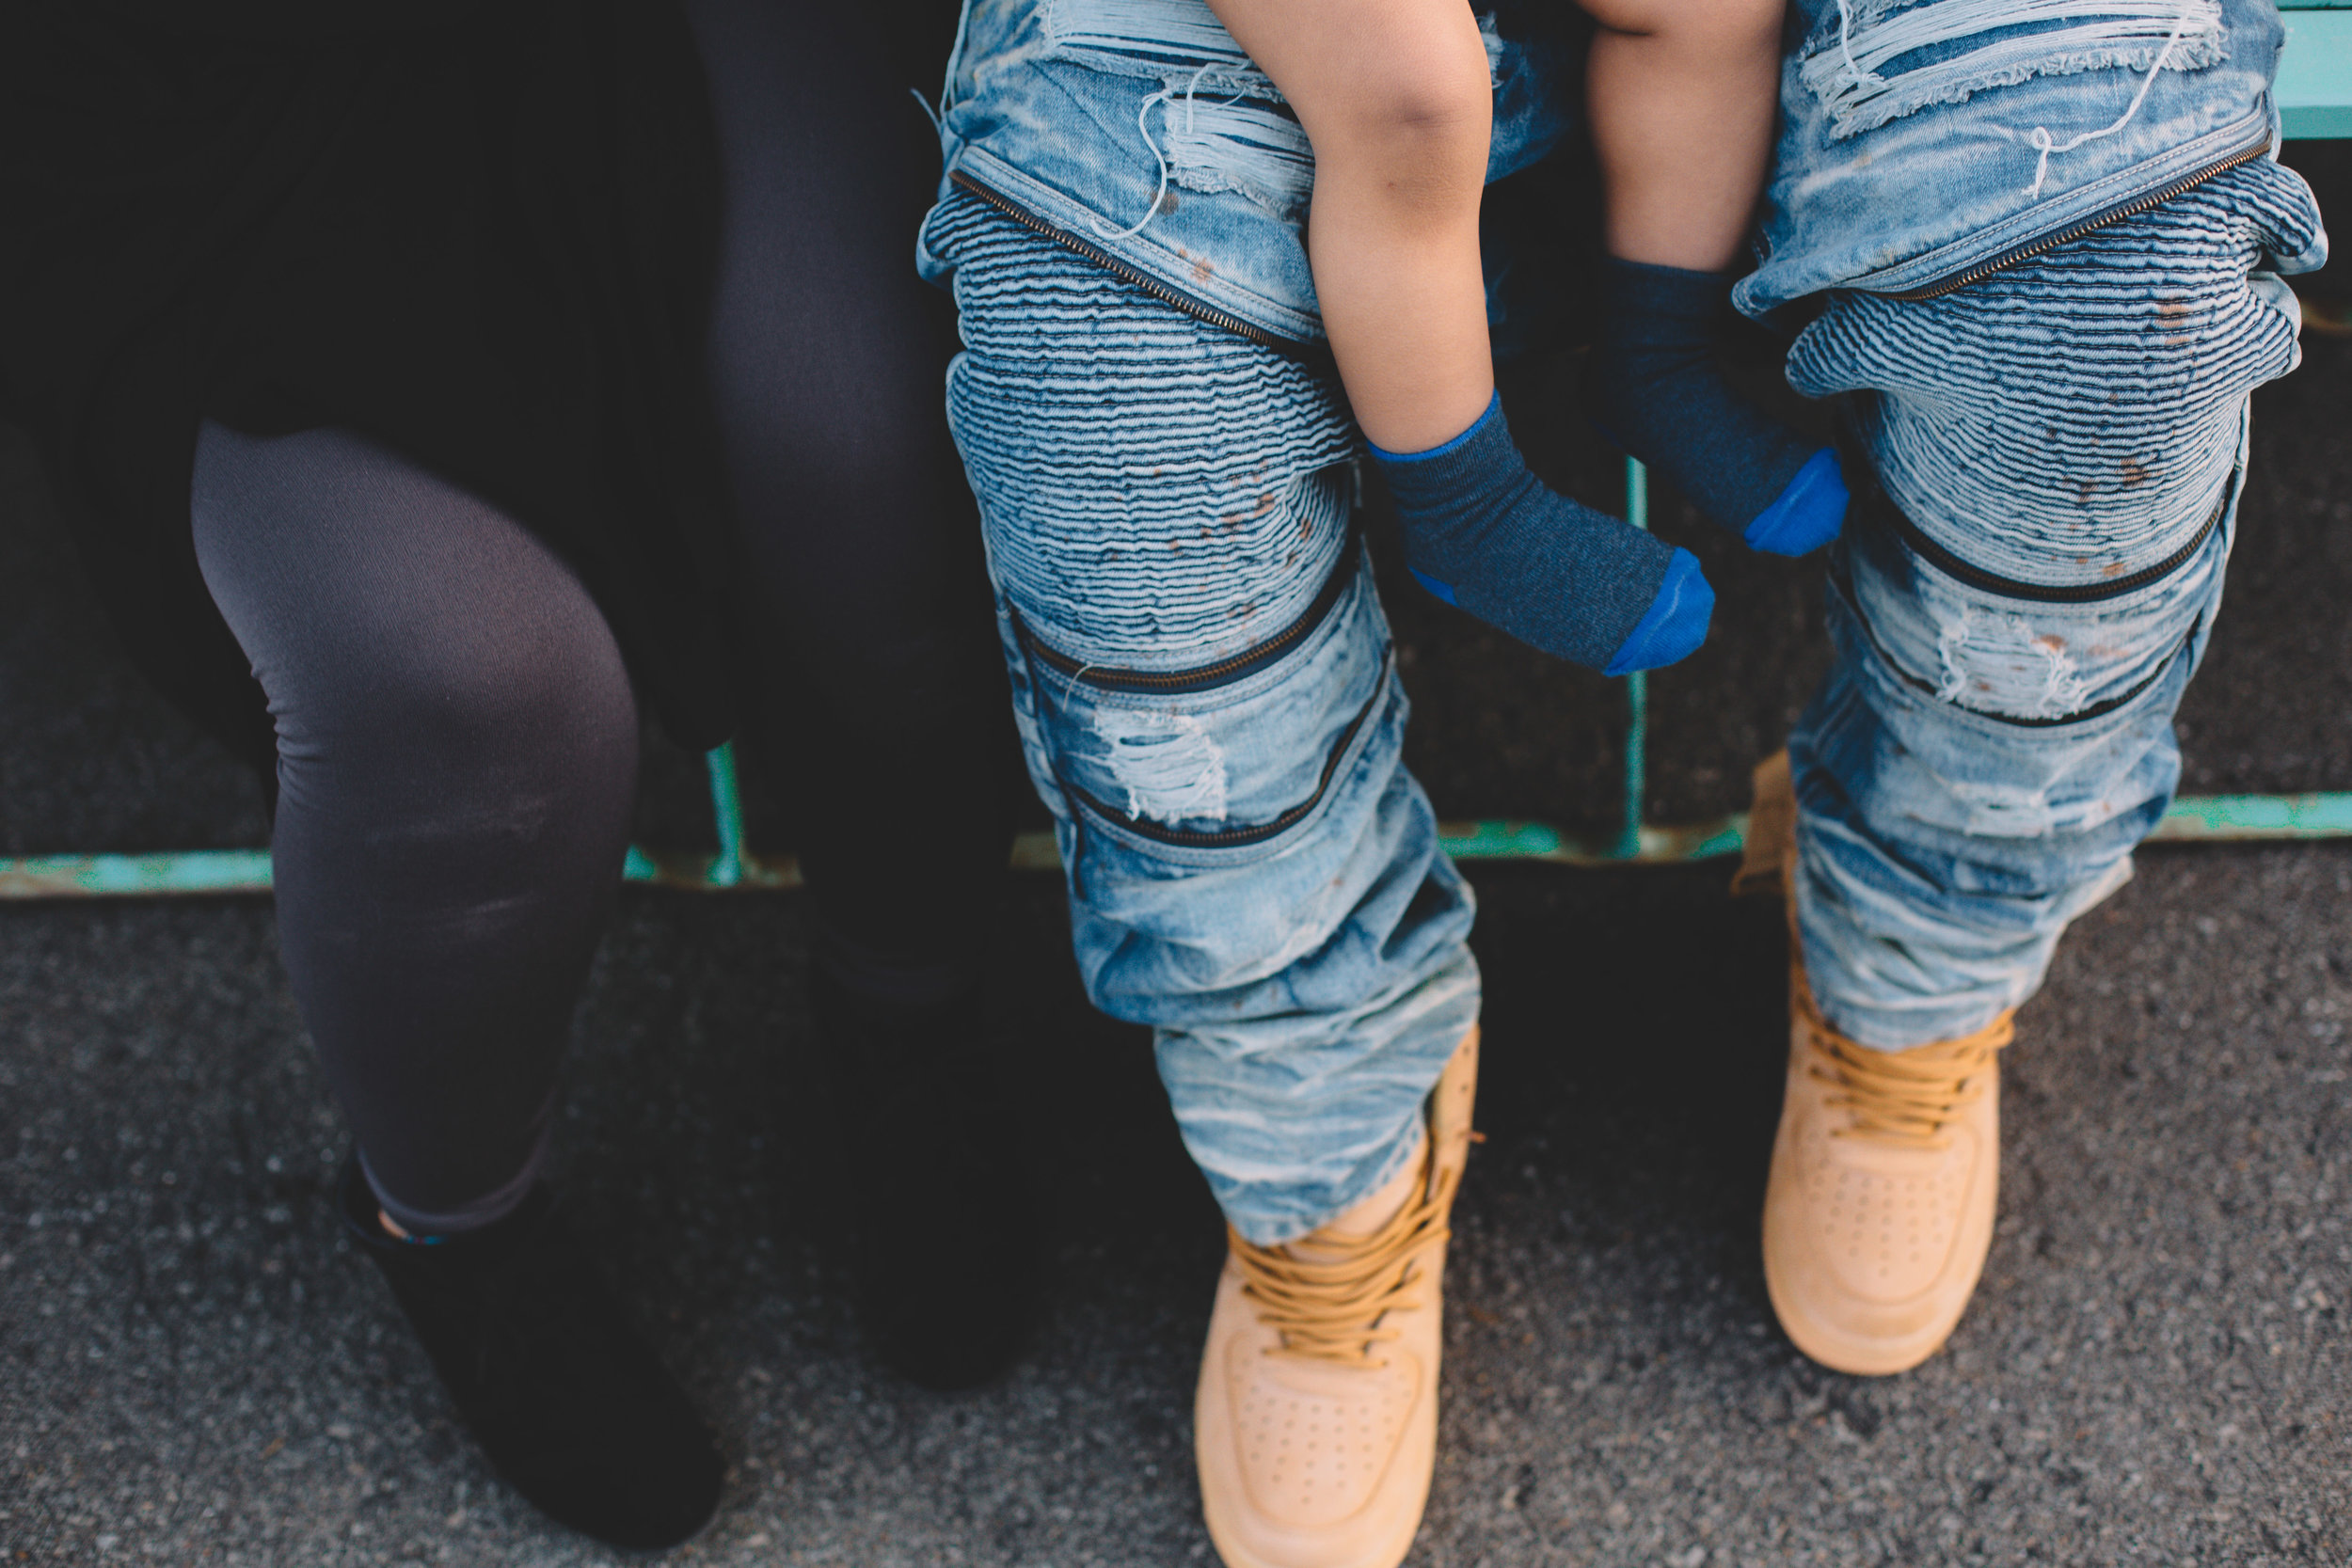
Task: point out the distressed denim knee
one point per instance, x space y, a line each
1207 697
2058 449
1974 774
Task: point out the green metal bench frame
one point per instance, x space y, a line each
2314 94
2204 819
2315 90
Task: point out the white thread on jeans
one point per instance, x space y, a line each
2039 136
1855 73
1142 117
2063 690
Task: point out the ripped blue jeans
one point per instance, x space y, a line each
1209 704
2058 449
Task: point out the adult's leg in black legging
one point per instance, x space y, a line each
883 692
458 758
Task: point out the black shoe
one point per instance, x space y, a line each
947 1235
569 1404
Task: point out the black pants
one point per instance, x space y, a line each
457 739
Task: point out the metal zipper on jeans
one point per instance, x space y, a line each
1224 671
1105 260
2073 232
1236 837
1843 585
1943 561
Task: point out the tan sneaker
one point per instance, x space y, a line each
1879 1209
1316 1423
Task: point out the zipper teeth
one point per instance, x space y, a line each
1068 666
1149 678
2010 588
2073 232
1104 258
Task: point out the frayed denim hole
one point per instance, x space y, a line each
2041 665
1164 764
1154 39
1158 773
1260 154
1875 61
1172 768
1875 700
1247 842
1913 692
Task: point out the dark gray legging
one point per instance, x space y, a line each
457 739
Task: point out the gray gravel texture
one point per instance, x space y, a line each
193 1369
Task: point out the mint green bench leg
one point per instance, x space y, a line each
1636 690
2315 87
727 810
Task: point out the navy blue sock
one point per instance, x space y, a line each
1659 394
1484 533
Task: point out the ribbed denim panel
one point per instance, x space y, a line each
1981 761
2073 419
1253 872
1083 453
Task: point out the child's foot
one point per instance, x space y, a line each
1484 534
1658 393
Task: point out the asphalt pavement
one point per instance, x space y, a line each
193 1370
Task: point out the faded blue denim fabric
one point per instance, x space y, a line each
1140 129
1208 701
2061 446
2065 420
1921 139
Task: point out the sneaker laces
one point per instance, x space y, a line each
1335 1309
1906 1097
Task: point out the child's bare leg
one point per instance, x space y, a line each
1394 97
1684 96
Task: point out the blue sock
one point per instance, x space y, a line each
1658 393
1484 533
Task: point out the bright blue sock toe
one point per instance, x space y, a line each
1485 535
1808 513
1674 625
1657 391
